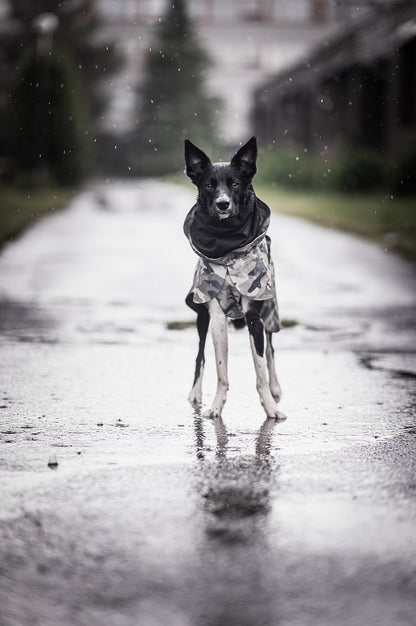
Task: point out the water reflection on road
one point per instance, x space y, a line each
235 489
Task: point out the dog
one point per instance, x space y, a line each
234 277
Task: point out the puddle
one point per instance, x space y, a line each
402 365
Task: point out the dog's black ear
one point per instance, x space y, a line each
196 161
245 158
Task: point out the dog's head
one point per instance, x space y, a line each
222 187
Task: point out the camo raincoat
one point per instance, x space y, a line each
246 271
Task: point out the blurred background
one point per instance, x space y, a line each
110 88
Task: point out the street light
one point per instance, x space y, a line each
44 25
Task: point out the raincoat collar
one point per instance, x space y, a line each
221 243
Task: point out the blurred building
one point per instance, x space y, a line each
357 88
247 41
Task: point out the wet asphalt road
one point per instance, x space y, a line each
120 506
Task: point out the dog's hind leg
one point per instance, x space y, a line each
273 381
255 325
220 341
202 323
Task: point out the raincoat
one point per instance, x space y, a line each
244 271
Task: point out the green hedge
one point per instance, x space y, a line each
20 206
349 170
287 168
353 170
404 174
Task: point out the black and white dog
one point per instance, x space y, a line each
234 277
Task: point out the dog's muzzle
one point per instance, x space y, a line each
224 207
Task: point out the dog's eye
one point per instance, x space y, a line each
208 186
235 184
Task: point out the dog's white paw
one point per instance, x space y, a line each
212 412
271 408
280 416
275 413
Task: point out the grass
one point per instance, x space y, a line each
383 218
19 207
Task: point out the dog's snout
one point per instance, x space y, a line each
223 205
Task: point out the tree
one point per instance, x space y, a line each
79 29
173 103
50 120
77 41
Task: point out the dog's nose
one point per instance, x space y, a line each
223 205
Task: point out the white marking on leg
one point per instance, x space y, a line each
220 340
274 385
262 385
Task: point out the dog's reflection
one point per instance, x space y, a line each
236 489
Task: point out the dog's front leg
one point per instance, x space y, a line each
195 397
220 341
255 325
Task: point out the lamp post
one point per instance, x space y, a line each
44 25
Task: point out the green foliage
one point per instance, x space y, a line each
357 170
404 174
287 168
50 119
350 170
173 104
78 33
19 207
